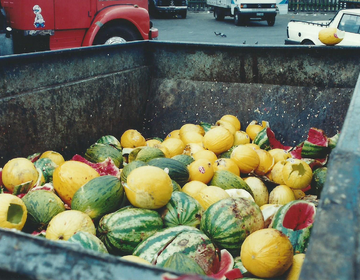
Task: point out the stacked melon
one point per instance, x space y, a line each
207 198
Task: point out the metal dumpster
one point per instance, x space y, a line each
65 100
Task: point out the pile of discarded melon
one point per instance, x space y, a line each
208 199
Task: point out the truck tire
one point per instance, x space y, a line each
237 18
116 34
307 43
271 21
218 14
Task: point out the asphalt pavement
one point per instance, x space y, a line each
201 27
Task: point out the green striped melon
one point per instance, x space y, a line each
318 181
190 241
42 206
99 196
88 241
180 262
295 219
47 167
111 140
182 209
176 186
99 152
123 230
130 167
186 159
146 154
228 180
229 221
176 170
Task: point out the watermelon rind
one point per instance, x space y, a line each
182 209
298 238
158 248
229 221
111 140
88 241
99 152
47 167
182 263
123 230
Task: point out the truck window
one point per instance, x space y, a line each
350 23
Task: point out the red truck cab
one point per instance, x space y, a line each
58 24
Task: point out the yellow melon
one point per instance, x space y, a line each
13 212
201 170
331 36
132 138
218 140
56 157
208 196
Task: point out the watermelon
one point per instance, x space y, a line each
206 126
176 186
190 241
226 269
316 144
88 241
42 206
182 263
123 230
318 181
107 167
99 196
176 170
129 167
99 152
182 209
333 141
228 180
186 159
295 219
146 154
266 140
229 221
110 140
47 167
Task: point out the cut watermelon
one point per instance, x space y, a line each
316 144
107 167
266 140
226 269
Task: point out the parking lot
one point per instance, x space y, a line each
201 27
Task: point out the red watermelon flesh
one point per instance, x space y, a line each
299 216
274 143
107 167
317 136
226 270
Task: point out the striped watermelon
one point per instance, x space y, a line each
129 167
146 154
47 167
266 140
228 180
295 219
99 152
177 170
186 159
99 196
229 221
88 241
190 241
111 140
182 263
123 230
182 209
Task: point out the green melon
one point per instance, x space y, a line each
186 159
295 219
99 152
99 196
176 186
130 167
124 229
182 209
176 170
146 154
111 140
190 241
182 263
228 180
88 241
47 167
42 206
229 221
318 181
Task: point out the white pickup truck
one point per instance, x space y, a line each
307 32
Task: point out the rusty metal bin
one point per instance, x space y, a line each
66 100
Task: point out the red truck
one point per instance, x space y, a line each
58 24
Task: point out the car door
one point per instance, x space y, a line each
70 14
351 25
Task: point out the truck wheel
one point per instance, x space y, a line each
271 21
218 14
237 18
116 34
307 43
183 14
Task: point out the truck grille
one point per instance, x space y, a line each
172 3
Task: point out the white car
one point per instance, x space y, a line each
307 32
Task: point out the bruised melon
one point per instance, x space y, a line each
331 36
